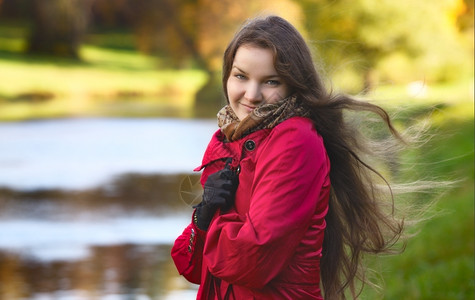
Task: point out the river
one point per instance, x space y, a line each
89 208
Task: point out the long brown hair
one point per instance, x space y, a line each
357 221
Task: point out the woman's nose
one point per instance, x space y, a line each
253 92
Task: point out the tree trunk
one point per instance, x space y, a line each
58 27
368 81
210 98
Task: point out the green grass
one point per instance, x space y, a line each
104 82
439 261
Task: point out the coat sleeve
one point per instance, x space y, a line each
252 249
187 253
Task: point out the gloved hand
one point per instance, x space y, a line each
219 191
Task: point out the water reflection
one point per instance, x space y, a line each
127 194
122 271
110 241
89 208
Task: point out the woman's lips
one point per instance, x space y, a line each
248 107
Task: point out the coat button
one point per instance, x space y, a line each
250 145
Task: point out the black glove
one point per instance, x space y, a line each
219 191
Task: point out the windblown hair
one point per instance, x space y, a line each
357 220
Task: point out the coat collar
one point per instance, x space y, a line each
219 150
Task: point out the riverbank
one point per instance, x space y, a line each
109 80
107 83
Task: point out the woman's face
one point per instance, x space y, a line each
253 80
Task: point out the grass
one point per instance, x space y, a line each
104 83
438 262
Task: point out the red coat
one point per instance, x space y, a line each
269 245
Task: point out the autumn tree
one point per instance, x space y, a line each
195 33
58 26
362 34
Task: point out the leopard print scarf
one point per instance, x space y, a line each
262 117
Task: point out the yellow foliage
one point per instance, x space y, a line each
454 9
219 20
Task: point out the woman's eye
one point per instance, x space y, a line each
240 76
273 82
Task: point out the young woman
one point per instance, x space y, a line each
288 203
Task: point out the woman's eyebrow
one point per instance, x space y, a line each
266 77
237 68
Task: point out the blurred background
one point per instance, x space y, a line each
106 107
